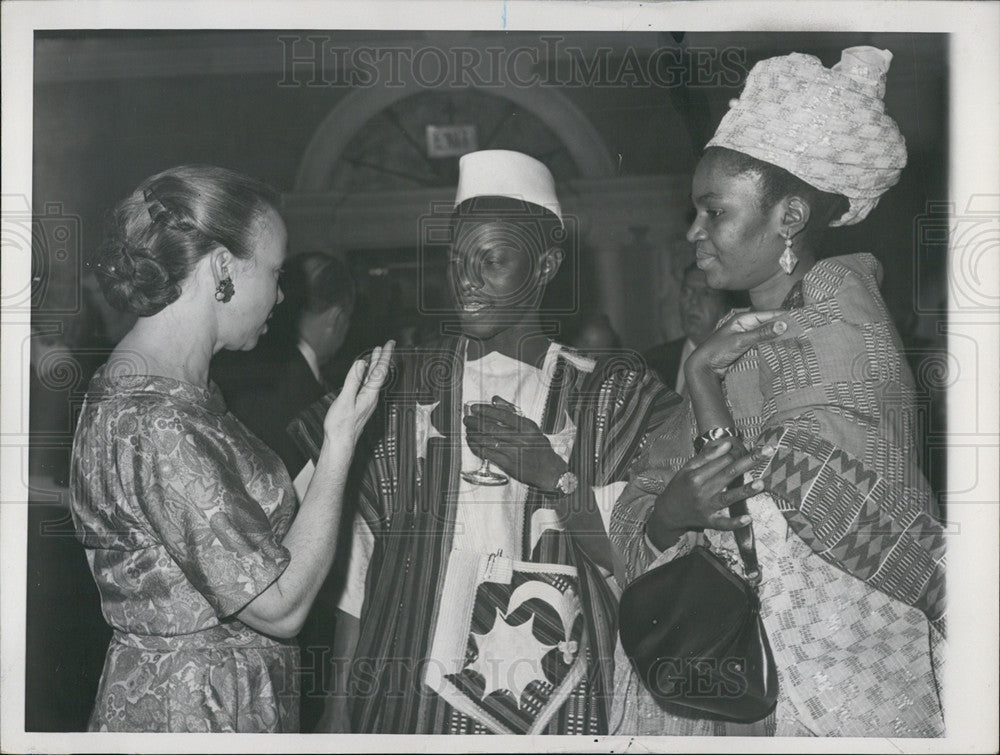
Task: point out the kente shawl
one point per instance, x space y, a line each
834 395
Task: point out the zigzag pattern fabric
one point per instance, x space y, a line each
838 403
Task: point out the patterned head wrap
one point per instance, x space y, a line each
826 126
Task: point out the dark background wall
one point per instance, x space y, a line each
112 108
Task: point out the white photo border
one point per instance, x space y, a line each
974 29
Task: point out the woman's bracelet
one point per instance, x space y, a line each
716 433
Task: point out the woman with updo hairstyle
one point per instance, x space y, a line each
809 392
205 561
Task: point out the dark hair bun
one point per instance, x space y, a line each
144 260
157 235
133 280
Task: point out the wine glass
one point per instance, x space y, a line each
485 474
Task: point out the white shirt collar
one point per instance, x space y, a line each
311 360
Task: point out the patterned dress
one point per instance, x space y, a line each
851 552
182 511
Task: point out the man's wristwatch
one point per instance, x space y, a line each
567 483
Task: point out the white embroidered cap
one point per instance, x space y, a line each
504 173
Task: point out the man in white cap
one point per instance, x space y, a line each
482 597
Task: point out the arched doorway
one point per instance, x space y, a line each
541 122
377 148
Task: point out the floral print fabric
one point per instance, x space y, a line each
182 511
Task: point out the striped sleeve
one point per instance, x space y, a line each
306 428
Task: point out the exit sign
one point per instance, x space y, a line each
451 141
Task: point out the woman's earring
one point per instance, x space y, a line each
788 260
224 291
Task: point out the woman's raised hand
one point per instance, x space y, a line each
734 338
352 409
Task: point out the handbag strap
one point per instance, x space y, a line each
747 545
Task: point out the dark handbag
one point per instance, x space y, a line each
693 632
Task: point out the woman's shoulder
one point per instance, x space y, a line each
122 382
829 275
852 282
153 407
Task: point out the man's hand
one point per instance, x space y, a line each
514 443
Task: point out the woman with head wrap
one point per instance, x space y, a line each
813 382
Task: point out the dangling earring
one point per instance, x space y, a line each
788 260
224 291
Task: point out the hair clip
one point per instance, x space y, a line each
155 207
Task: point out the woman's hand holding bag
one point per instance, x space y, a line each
698 495
692 627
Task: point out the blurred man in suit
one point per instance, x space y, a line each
701 309
268 386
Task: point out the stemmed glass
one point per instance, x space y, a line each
485 474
